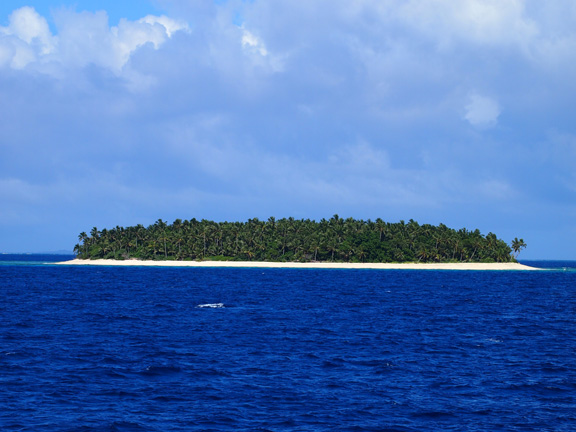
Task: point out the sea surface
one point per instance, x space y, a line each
224 349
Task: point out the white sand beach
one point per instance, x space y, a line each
296 265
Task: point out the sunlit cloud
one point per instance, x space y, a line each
83 38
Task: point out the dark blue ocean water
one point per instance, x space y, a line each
130 349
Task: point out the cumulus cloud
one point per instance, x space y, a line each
482 111
25 39
30 27
83 38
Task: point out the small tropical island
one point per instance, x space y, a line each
289 240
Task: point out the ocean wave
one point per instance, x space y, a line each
211 305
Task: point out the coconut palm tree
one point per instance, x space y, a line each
289 239
517 246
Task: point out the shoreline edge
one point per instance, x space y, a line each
308 265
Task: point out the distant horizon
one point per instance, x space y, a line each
57 252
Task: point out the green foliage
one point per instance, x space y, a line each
517 246
290 240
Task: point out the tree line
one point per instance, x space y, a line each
293 240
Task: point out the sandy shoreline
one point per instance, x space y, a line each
323 265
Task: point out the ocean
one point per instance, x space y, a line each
224 349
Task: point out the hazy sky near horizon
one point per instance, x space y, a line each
433 110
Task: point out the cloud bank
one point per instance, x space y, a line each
441 111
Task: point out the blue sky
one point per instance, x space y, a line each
119 113
116 10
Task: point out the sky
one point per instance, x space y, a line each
122 113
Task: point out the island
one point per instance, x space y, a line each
290 242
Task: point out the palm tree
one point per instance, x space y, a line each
161 227
422 254
361 253
517 246
81 247
289 239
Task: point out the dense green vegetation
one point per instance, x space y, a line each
336 239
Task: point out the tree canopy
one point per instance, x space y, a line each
289 239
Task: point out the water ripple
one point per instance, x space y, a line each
147 349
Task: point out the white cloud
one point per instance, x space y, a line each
128 36
83 38
251 42
492 22
26 38
255 53
482 111
86 38
170 26
28 25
